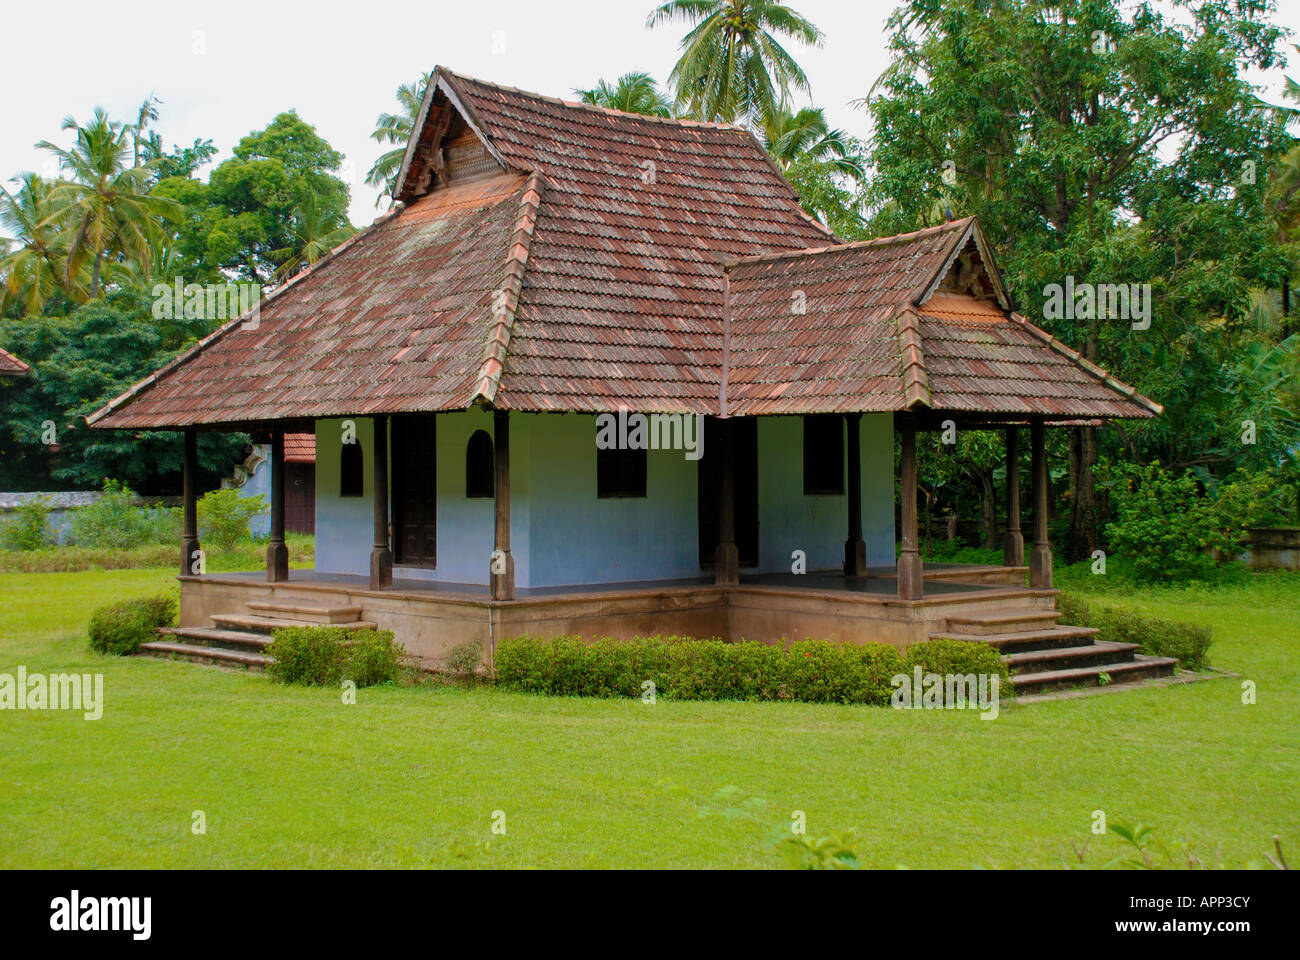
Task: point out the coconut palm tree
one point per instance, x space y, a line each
732 66
34 260
396 128
791 135
631 93
106 204
314 236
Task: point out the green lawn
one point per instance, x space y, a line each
410 777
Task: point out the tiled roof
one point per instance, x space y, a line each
397 319
11 366
571 258
300 448
862 327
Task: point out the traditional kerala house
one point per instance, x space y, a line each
11 366
547 263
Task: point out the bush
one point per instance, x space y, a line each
1188 642
464 658
685 669
823 672
325 656
29 527
121 627
224 514
117 522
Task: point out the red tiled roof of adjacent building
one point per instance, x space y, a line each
554 256
11 366
300 448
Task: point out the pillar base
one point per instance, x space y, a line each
189 547
909 575
726 565
381 568
502 585
277 562
1013 549
855 558
1040 567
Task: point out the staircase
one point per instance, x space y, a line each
239 640
1044 655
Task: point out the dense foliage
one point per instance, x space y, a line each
120 628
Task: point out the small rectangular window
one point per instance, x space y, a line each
823 455
620 473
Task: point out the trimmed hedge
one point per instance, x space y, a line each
325 656
682 668
1188 642
121 627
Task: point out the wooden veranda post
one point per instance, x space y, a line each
503 563
277 554
726 559
381 554
1013 547
190 548
910 572
855 549
1040 558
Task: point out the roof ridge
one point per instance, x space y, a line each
134 391
506 299
852 245
19 366
916 378
596 108
1086 365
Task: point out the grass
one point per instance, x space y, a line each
412 776
245 555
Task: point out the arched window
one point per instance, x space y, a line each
352 470
480 471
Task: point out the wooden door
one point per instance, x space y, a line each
744 489
415 490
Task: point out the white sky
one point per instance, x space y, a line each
339 63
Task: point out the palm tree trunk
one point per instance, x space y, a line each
94 277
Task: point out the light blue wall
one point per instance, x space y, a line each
789 520
345 526
575 537
259 483
562 534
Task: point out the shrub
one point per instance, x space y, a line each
114 522
121 627
29 527
464 658
962 657
224 514
324 656
1188 642
824 672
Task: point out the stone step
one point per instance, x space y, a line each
1028 640
1141 668
986 622
202 654
1066 658
304 611
251 624
216 637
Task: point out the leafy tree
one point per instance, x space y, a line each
251 215
396 128
733 66
631 93
1107 143
108 207
791 135
314 236
79 363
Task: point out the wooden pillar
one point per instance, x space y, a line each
190 547
726 559
502 577
1013 547
1040 558
910 574
855 549
381 554
277 554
